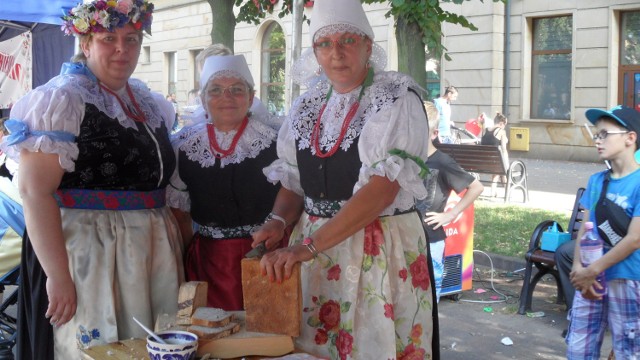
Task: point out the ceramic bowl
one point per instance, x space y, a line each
181 345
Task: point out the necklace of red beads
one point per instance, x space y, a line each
315 133
138 115
216 150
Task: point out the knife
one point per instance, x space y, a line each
257 251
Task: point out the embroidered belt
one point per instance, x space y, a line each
329 208
219 232
110 199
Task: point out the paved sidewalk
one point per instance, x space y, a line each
474 326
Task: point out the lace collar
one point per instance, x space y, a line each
90 92
387 87
194 142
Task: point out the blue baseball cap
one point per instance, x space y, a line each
627 117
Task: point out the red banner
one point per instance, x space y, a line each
15 69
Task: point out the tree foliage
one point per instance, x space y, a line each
418 26
428 15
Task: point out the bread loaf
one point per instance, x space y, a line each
271 307
211 317
191 296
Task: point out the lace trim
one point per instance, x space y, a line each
194 142
92 94
225 74
381 95
219 233
337 28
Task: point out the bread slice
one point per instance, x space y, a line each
210 333
211 317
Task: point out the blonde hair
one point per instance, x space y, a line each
432 114
212 50
83 40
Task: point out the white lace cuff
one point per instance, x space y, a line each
178 199
285 173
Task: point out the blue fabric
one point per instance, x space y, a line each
11 213
625 192
19 132
48 12
77 69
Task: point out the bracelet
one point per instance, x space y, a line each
273 216
308 242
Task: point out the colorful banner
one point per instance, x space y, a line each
15 69
458 249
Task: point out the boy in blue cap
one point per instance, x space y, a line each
615 214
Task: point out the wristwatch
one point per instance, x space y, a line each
308 242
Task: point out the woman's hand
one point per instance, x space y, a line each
62 300
279 263
270 233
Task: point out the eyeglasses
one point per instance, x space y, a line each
233 90
326 45
604 133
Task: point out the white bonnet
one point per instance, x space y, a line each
225 66
339 12
334 16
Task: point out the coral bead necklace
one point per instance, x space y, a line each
138 115
315 133
218 152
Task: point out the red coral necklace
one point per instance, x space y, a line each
218 152
138 116
315 133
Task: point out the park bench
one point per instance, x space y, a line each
487 159
545 261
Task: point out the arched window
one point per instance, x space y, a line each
272 82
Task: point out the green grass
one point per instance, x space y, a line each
506 229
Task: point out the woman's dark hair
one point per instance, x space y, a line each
499 118
450 89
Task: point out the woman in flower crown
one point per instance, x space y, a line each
219 182
94 159
350 168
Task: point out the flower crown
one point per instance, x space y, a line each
107 15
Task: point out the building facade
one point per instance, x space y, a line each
541 62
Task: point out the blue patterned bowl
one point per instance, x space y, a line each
181 345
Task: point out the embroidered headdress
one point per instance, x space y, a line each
327 18
107 15
225 66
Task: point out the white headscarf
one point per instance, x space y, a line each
225 66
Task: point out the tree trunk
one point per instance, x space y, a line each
223 22
411 54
